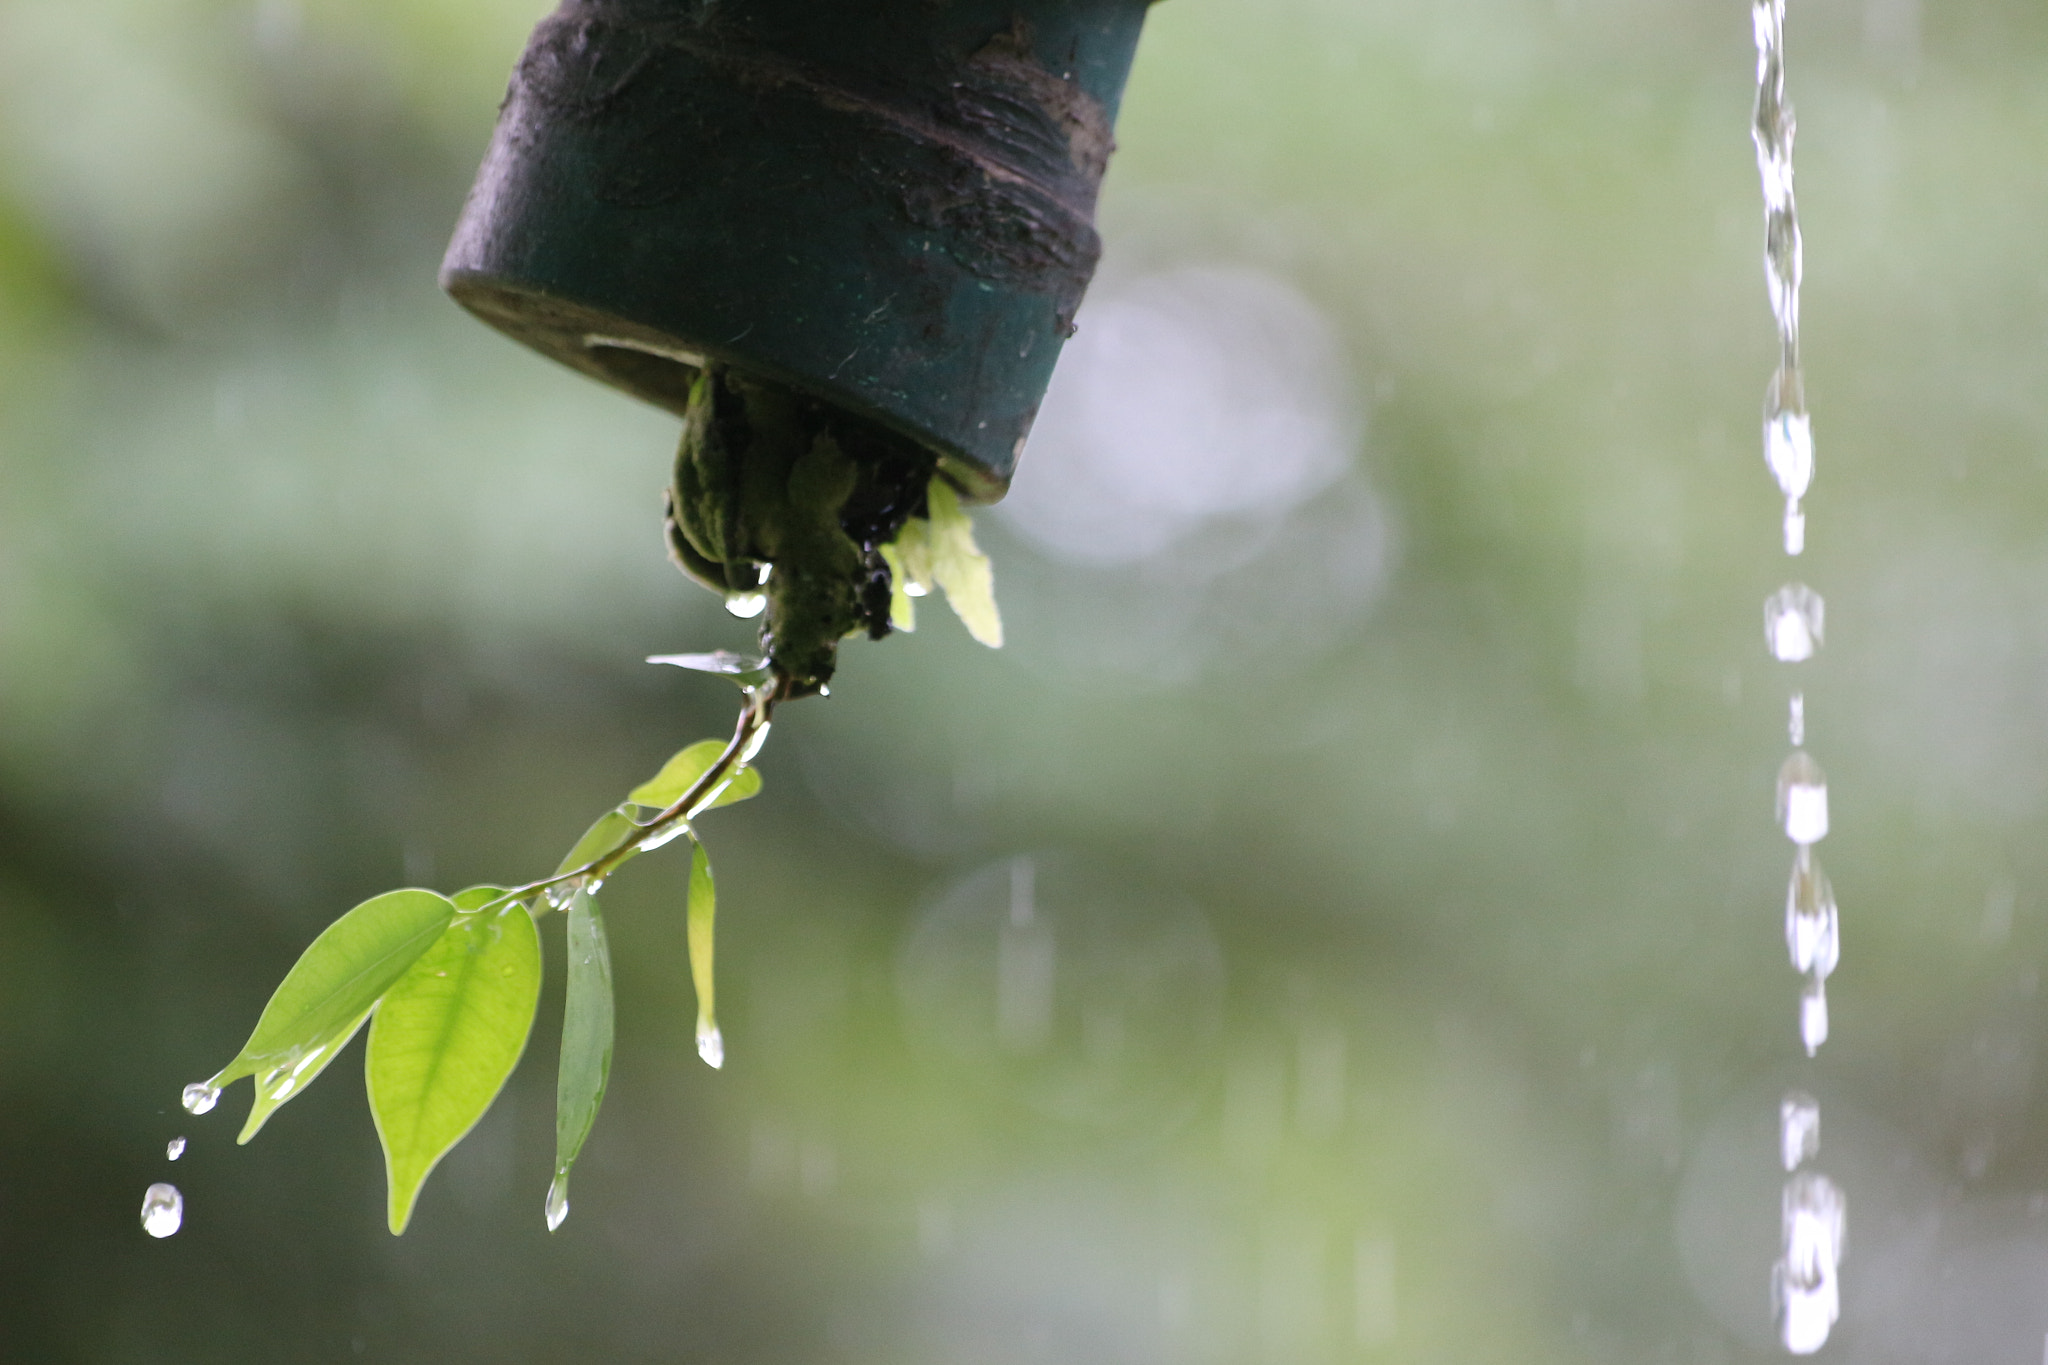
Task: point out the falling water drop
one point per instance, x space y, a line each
1788 436
1798 1129
1810 1298
746 605
711 1046
558 1200
199 1097
1803 799
1804 1283
1794 618
1813 932
163 1210
174 1149
1813 1015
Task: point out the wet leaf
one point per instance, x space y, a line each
610 830
443 1041
703 917
329 992
586 1045
681 772
745 669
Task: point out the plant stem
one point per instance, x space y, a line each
754 718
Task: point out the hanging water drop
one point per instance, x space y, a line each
163 1210
1813 933
199 1097
711 1046
1798 1129
1803 799
746 605
174 1149
1795 617
1813 1015
558 1200
1795 719
754 743
1807 1281
677 829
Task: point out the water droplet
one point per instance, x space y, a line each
1813 931
558 1200
1798 1129
746 605
163 1210
1813 1015
199 1097
1795 528
1795 719
1807 1279
915 589
1795 617
1803 799
1788 437
676 830
711 1046
174 1149
754 744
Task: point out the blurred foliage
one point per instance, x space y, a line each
1418 991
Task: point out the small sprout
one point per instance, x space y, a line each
940 551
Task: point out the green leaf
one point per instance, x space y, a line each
328 993
586 1046
959 566
444 1039
681 772
745 669
703 917
610 830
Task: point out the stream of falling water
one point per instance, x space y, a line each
1805 1283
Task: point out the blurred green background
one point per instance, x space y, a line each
1385 738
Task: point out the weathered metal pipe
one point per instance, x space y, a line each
886 207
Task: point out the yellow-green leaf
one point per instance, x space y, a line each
703 917
681 772
443 1041
959 566
328 993
609 831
